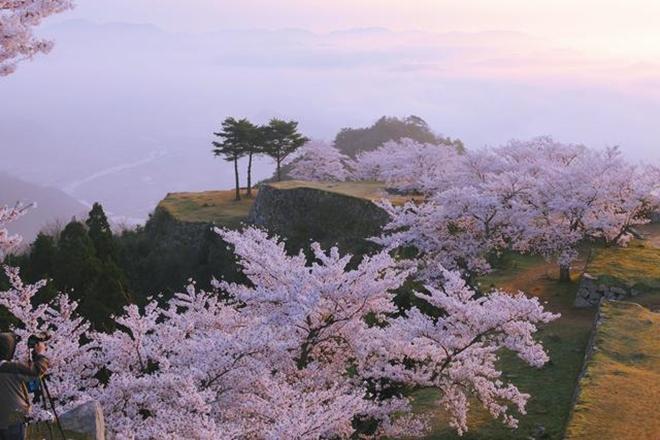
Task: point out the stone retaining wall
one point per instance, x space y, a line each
592 291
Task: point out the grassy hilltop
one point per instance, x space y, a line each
219 207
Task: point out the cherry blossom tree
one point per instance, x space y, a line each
578 195
538 196
458 229
306 350
17 21
321 161
7 215
408 165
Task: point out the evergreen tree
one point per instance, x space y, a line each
42 256
236 136
100 233
76 265
106 296
98 284
254 144
281 138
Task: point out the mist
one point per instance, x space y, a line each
124 113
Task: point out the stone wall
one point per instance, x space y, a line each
305 214
592 291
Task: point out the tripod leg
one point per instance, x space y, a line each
52 405
45 405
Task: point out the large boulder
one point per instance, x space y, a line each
85 419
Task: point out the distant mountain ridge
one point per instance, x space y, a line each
52 205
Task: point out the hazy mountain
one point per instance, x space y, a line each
53 206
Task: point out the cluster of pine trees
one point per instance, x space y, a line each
241 138
83 260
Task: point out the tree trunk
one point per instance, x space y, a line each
249 176
279 173
238 187
564 273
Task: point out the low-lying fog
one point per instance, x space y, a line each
123 114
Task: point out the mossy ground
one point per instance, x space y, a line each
637 265
620 392
217 207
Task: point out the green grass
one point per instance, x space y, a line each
637 265
217 207
552 386
620 392
41 431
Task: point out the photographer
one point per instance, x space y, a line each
14 377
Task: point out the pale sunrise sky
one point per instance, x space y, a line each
133 89
626 29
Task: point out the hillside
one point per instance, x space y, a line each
344 214
53 205
620 389
630 273
636 265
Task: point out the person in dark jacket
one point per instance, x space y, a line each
14 377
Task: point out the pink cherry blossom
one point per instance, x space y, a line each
17 20
321 161
271 358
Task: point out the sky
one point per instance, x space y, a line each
122 110
626 29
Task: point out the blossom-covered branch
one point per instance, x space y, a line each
18 18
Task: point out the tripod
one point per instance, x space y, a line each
49 399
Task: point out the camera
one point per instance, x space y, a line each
33 340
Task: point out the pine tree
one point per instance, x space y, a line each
100 233
254 143
281 138
98 284
42 256
76 265
235 137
